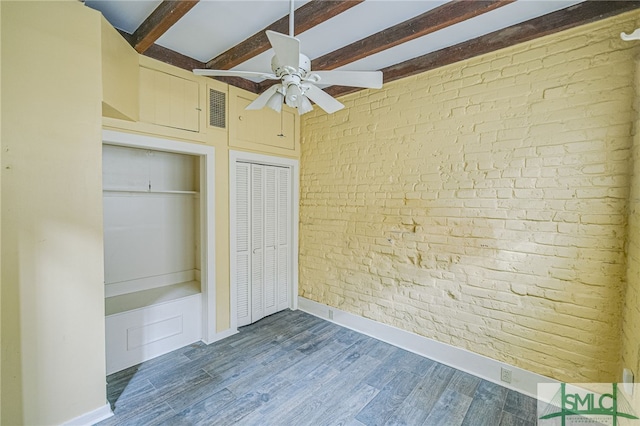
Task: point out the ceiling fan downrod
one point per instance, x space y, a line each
291 26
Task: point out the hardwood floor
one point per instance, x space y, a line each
295 369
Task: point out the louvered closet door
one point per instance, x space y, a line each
243 253
284 228
270 276
263 228
257 242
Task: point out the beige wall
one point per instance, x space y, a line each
483 204
53 366
1 345
631 313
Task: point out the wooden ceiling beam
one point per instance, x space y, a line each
570 17
160 20
306 17
431 21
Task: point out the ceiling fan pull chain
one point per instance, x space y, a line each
281 135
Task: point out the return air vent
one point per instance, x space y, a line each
217 109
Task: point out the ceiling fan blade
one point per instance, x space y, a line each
286 48
322 99
368 79
262 100
231 73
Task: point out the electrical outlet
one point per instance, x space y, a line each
330 314
505 375
627 380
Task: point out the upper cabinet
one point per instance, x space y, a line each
119 76
144 95
169 100
262 130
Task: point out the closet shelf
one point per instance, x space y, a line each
141 191
154 296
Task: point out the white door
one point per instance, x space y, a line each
263 240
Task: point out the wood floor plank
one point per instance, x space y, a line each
464 383
386 370
450 410
201 412
408 415
487 404
250 402
317 344
342 412
416 407
156 415
401 360
191 393
349 355
382 407
521 406
509 419
128 390
335 391
270 370
293 396
376 349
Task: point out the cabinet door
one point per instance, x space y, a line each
168 100
262 130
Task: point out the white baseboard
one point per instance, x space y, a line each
92 417
523 381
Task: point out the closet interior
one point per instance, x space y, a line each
152 246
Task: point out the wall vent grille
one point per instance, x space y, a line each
217 109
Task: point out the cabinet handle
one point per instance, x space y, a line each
240 118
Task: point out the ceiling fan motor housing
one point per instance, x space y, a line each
304 66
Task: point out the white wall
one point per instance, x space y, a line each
150 216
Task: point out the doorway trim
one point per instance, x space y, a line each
269 160
207 212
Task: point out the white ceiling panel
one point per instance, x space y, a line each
125 15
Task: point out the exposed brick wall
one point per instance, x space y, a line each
483 204
631 311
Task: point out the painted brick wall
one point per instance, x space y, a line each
483 204
631 311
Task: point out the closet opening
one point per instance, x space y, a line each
158 246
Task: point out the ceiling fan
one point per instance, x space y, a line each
297 82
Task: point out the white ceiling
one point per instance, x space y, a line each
213 26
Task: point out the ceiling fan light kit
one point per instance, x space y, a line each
297 87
